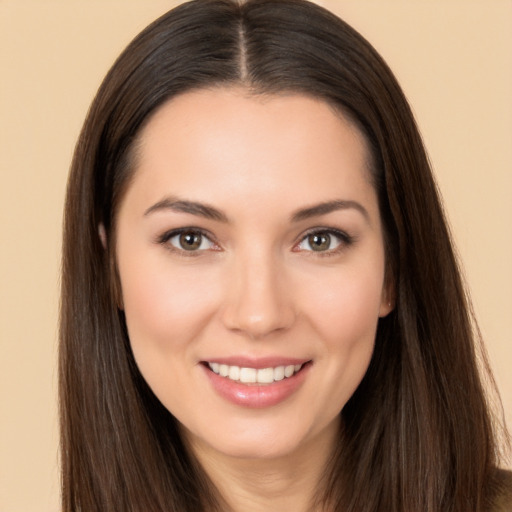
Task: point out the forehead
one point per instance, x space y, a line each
228 142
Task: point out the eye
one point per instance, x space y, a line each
324 241
188 240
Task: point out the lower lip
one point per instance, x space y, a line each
254 395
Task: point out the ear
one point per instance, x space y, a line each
103 235
387 302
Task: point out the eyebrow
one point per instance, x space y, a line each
184 206
329 207
212 213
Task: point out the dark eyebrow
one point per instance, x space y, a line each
192 207
329 207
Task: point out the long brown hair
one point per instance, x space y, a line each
417 433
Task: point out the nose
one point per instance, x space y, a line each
258 301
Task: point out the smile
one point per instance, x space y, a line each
256 383
253 375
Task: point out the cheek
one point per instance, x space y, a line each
346 310
164 307
344 313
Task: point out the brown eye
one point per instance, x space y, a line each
319 241
329 241
190 241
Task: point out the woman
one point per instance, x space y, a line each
261 306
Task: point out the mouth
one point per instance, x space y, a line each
255 376
256 382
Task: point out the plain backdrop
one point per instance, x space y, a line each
454 61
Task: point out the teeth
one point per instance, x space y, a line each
279 373
253 375
289 371
265 375
234 373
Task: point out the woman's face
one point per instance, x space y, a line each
251 261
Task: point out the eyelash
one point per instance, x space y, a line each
345 241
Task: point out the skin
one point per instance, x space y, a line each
255 287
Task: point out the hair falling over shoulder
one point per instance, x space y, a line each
418 434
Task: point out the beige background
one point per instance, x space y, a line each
454 60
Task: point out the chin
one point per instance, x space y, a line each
262 440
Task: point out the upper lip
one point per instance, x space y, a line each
257 362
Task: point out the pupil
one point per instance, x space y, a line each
319 242
190 241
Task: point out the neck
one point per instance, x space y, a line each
290 482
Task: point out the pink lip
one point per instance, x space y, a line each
257 395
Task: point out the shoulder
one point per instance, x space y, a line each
501 490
